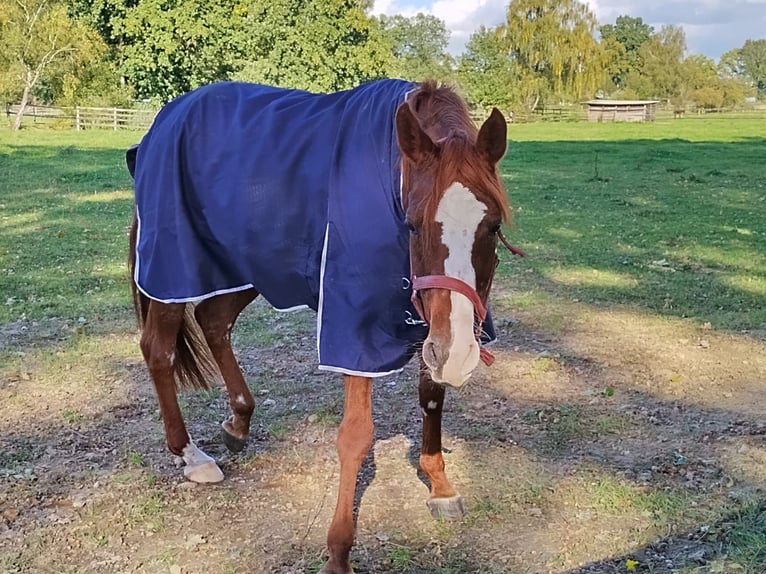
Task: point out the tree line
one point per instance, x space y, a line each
547 52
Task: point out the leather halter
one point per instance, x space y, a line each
460 286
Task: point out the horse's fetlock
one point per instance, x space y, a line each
243 404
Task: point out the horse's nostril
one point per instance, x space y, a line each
432 354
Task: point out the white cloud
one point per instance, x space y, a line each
462 17
712 26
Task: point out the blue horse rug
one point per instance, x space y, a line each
297 195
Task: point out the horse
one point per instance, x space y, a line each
379 207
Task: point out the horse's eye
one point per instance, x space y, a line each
494 229
411 227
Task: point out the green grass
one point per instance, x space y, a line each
65 204
134 458
400 557
73 417
609 495
149 511
665 216
668 217
745 541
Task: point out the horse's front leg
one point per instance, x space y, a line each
354 442
444 502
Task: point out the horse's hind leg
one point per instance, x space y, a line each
444 502
216 317
158 344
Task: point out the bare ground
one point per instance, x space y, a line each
602 440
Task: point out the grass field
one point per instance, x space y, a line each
668 217
66 202
609 213
621 429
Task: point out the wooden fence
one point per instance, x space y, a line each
81 118
552 114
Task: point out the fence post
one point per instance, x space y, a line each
77 118
114 119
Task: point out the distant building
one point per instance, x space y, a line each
622 110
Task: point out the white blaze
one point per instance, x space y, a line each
460 214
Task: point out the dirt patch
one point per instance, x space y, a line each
23 334
620 440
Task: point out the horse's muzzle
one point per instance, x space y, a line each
452 358
450 364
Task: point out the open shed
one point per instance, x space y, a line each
622 110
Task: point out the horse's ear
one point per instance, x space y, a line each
413 141
492 138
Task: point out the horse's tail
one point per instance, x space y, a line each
194 365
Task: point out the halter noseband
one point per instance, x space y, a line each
460 286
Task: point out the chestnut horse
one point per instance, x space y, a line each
421 171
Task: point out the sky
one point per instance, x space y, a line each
712 26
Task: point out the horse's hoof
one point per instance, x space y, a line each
232 442
451 508
332 570
206 472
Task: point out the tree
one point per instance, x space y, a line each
553 41
96 83
616 65
700 82
661 74
491 79
173 46
734 91
730 64
107 17
698 71
419 47
486 72
317 45
632 33
753 58
38 40
629 33
708 97
735 82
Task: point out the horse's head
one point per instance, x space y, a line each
454 204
